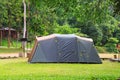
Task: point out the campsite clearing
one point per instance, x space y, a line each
20 69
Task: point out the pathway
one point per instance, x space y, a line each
9 55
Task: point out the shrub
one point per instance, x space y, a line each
111 45
81 34
101 49
117 34
93 31
65 29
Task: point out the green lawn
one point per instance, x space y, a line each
20 69
10 50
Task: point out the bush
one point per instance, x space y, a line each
81 34
117 34
65 29
101 49
113 40
111 45
109 29
93 31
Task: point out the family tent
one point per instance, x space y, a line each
64 48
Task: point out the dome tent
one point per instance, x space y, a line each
64 48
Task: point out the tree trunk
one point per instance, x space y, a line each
1 38
24 29
9 35
9 32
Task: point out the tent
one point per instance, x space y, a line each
64 48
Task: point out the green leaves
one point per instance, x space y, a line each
111 45
65 29
13 9
62 16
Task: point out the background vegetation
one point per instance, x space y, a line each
97 19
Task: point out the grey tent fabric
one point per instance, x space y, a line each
64 48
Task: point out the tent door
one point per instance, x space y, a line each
67 49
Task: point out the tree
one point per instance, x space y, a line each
116 6
10 15
93 31
89 16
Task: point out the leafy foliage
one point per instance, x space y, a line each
101 49
98 19
92 31
111 45
65 29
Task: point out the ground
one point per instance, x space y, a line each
20 69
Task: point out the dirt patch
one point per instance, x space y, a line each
108 56
7 55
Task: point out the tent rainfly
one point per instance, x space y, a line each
64 48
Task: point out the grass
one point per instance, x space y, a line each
10 50
15 46
14 43
20 69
